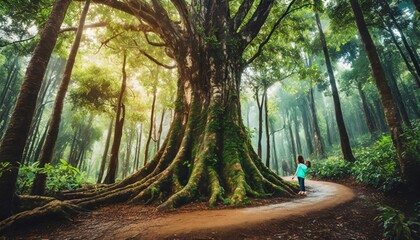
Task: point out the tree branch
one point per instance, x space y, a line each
253 26
92 25
241 14
153 43
18 41
260 47
153 59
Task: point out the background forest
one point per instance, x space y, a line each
308 90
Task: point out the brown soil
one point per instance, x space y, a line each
330 211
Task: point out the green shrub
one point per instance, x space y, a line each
397 226
377 165
331 168
59 177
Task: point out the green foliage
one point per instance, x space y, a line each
4 166
60 177
397 226
331 168
377 165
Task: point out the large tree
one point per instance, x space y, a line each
207 152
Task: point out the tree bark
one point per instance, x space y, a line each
304 111
152 118
317 136
54 127
105 154
406 157
260 121
267 132
14 139
367 113
118 131
344 139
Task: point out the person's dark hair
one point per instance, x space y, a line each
300 159
308 164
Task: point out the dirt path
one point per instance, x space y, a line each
321 195
138 222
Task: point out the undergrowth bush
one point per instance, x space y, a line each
397 226
331 168
62 176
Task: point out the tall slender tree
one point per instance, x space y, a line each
38 187
406 157
344 138
14 139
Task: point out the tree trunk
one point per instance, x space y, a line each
149 138
14 139
297 137
127 157
105 154
54 127
260 121
267 132
118 131
368 114
404 40
276 159
396 95
138 147
304 111
344 139
407 64
406 157
159 134
317 136
412 103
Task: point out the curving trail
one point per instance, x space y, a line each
135 222
321 196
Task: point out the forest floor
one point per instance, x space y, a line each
330 211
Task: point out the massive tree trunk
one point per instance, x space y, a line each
13 142
38 187
408 163
344 138
118 131
207 152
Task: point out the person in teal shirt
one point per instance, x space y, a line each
301 173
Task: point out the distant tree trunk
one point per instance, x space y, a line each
118 131
344 138
292 143
404 40
54 127
138 147
412 103
304 111
41 142
276 159
14 139
105 154
248 108
9 79
128 153
159 134
317 136
260 121
328 131
267 132
407 64
396 94
297 137
406 157
367 113
152 117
